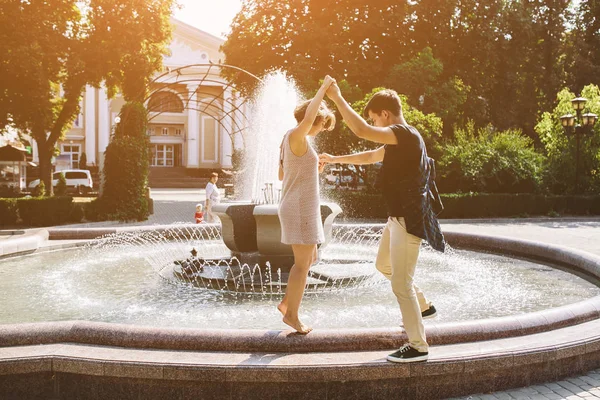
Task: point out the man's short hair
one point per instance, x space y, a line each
214 175
386 99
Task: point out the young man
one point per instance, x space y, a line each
409 191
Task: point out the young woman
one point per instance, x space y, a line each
299 208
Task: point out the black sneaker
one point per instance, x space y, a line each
431 312
406 354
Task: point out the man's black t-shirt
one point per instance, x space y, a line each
407 182
402 170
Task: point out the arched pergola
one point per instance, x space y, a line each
221 105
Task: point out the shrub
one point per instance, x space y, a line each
45 211
40 190
93 211
126 167
8 212
10 192
77 213
473 205
61 186
83 161
489 161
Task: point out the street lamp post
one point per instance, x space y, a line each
572 126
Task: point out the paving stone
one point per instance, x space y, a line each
519 395
541 389
554 396
570 387
590 381
564 392
503 396
529 390
577 381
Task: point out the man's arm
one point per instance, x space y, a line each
365 157
355 122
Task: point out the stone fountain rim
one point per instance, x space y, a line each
363 339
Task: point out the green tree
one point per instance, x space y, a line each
421 80
50 51
461 35
83 161
529 70
126 167
561 149
582 56
355 40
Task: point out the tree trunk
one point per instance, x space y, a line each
45 152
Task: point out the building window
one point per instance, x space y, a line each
165 102
178 132
73 150
165 131
163 155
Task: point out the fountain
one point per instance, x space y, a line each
250 227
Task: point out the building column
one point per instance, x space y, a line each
90 124
104 124
192 136
227 130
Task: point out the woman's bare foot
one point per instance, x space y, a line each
282 307
297 325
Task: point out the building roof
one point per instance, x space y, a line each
10 153
190 45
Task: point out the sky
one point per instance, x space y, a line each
212 16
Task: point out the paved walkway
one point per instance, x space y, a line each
177 205
584 387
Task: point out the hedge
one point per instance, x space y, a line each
40 211
474 205
8 212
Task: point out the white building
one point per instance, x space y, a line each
194 120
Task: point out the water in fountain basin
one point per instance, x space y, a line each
115 280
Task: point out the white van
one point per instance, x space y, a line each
79 180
